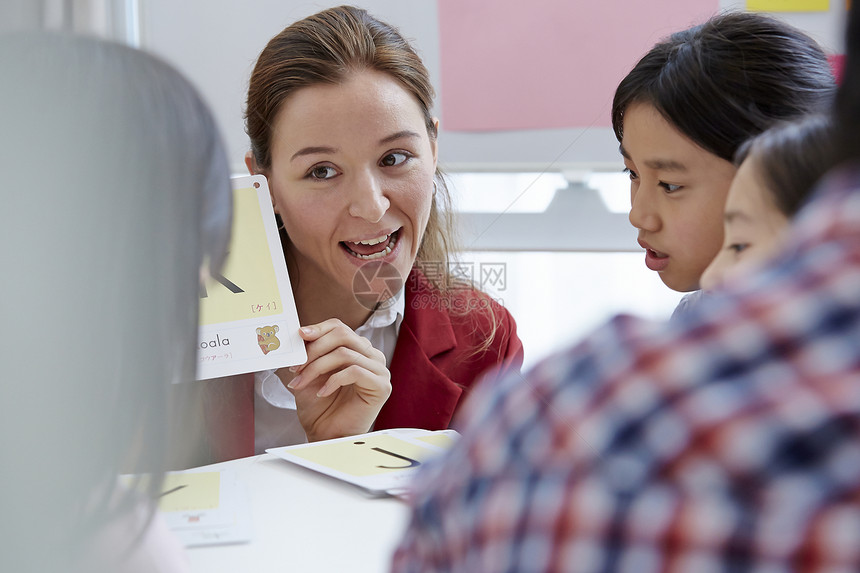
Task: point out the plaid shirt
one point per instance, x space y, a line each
726 441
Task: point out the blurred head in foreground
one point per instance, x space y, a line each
115 191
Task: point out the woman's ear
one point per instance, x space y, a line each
254 169
274 204
251 163
433 141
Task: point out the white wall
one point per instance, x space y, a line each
215 42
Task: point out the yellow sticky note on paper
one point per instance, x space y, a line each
190 491
247 280
438 439
365 456
788 5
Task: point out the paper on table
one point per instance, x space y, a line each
202 507
442 440
190 491
206 508
248 318
381 462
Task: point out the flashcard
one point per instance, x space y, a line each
248 318
206 508
201 507
380 462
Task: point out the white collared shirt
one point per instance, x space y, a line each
276 422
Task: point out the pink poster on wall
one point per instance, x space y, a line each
543 64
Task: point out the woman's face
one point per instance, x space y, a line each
754 226
677 194
352 178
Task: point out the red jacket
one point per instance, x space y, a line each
436 362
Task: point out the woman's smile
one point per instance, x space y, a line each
372 249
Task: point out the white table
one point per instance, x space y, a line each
305 521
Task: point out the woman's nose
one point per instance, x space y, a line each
368 200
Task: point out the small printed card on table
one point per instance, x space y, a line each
381 462
248 319
202 507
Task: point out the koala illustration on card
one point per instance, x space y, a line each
266 338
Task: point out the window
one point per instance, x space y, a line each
558 284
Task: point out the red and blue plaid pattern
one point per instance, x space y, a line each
727 441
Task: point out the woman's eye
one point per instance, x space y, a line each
393 159
669 187
631 173
322 172
738 248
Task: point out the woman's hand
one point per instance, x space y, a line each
344 383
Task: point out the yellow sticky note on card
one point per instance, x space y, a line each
365 456
438 439
190 491
788 5
246 287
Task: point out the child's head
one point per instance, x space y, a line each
116 190
777 170
683 111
